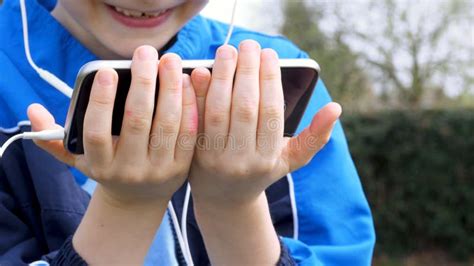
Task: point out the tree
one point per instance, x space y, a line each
412 47
341 72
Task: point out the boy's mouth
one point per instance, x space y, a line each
138 14
137 18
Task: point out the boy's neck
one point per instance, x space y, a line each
91 43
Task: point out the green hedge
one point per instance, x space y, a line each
417 169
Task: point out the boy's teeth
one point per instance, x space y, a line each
138 14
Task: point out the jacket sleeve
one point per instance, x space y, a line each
34 223
17 242
333 219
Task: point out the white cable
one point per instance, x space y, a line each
9 142
232 24
294 210
179 236
44 74
54 134
49 134
184 218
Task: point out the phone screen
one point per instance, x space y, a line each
298 85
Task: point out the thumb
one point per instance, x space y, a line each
41 119
302 148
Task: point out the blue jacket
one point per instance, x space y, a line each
320 210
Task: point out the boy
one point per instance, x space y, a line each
320 210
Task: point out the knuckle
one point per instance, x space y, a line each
245 115
146 81
222 76
169 124
273 111
136 121
239 171
215 119
270 75
248 69
246 111
101 101
216 114
95 138
173 86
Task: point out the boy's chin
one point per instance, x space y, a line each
125 49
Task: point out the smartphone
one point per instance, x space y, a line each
299 78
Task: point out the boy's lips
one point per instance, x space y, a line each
139 19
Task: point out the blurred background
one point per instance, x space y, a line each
404 73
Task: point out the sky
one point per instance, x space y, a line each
247 14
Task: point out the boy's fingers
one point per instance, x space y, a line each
302 148
245 96
167 119
98 146
189 123
134 136
219 97
271 113
41 120
201 78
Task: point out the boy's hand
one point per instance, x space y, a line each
150 160
241 149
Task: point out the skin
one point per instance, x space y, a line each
228 180
139 171
91 23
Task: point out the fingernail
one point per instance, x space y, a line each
225 53
269 54
147 53
105 78
171 61
249 46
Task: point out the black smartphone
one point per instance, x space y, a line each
299 78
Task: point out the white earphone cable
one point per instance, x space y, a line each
55 134
187 196
44 74
232 24
179 236
9 142
50 134
184 218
